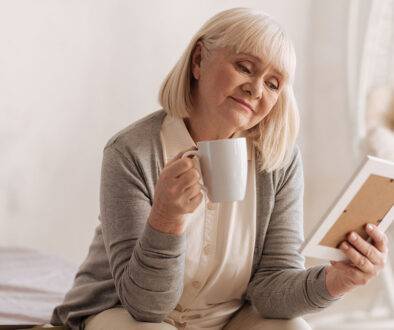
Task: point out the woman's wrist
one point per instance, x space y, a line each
334 284
164 225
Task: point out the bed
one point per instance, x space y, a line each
31 285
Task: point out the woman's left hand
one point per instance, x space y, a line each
366 261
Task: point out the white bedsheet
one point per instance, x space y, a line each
31 284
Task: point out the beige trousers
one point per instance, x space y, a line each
246 319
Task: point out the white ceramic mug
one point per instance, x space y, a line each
224 167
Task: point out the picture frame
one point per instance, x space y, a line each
368 197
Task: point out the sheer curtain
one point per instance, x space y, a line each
376 73
370 57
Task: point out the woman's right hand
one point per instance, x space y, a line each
177 193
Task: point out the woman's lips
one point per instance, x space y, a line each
243 103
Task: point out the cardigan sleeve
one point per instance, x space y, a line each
281 287
146 265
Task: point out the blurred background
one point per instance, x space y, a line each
73 73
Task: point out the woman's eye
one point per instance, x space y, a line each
272 85
243 68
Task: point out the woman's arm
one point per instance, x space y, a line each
281 287
147 264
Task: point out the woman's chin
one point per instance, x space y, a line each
238 121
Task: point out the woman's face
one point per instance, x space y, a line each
235 91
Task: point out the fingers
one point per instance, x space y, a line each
195 201
180 154
369 258
179 166
366 259
192 191
365 248
177 177
379 238
187 179
359 260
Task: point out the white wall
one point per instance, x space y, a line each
328 157
73 73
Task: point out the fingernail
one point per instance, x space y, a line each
345 246
370 227
353 237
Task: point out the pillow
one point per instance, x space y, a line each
379 142
380 107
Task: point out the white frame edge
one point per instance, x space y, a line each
372 165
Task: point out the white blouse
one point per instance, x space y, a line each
220 243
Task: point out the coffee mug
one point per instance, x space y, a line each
224 168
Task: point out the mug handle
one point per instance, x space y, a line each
194 153
190 153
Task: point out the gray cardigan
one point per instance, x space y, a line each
131 264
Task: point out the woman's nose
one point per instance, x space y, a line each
254 88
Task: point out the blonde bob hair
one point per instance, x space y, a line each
245 31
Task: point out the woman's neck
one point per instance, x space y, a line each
202 128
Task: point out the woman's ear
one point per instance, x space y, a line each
196 60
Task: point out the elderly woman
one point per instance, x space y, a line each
164 256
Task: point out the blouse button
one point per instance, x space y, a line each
207 249
211 206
